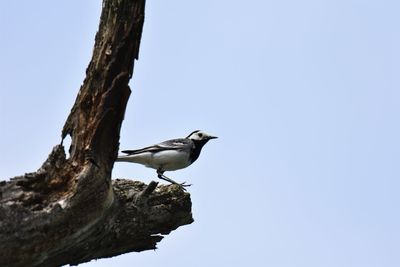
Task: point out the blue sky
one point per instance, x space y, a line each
304 96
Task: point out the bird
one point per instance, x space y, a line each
169 155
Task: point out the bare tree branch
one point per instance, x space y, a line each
69 211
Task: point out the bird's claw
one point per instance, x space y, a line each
184 184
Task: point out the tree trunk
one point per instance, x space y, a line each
70 211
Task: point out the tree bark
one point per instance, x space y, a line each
70 211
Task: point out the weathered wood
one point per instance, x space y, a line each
70 211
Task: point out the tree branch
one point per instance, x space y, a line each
69 211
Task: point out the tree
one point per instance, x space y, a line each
70 211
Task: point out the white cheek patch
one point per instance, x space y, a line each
197 137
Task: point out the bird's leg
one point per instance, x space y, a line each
165 178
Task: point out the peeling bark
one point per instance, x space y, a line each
70 211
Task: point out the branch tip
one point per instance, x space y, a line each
149 189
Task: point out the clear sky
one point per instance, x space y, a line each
304 96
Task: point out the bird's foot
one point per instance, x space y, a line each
165 178
184 184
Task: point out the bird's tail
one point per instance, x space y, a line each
124 158
132 158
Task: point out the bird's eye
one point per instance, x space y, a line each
200 135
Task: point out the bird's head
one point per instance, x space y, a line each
200 136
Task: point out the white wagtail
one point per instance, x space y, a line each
169 155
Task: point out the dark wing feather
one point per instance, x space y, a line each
174 144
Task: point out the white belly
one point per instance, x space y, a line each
168 160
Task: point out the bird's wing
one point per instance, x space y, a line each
174 144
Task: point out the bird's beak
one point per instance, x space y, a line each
212 137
